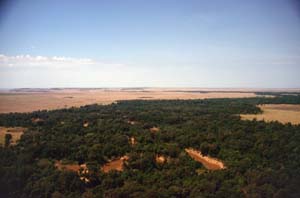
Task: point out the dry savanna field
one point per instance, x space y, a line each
28 100
283 113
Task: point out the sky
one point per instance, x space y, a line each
150 43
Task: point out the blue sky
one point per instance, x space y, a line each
156 43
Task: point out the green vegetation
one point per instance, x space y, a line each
7 138
262 159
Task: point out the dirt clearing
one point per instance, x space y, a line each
16 133
283 113
116 164
85 125
160 159
154 129
208 162
79 169
70 166
132 141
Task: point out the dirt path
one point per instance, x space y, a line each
208 162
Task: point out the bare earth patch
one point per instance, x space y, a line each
208 162
70 167
28 100
16 133
131 122
154 129
79 169
86 124
283 113
132 141
160 159
36 120
116 164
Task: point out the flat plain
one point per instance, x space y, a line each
28 100
283 113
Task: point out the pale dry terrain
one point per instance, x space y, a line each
154 129
116 164
16 133
208 162
81 170
70 167
283 113
160 159
28 100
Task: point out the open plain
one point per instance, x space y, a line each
283 113
28 100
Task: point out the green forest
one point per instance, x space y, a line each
262 159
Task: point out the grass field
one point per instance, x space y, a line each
283 113
32 100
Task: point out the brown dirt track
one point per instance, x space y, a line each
208 162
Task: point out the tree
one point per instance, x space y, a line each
204 147
8 137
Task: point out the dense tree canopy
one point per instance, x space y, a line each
262 159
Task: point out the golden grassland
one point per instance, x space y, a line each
49 99
283 113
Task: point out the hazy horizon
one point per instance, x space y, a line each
170 87
94 44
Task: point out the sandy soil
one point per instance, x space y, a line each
79 169
208 162
16 133
283 113
69 167
116 164
131 122
160 159
154 129
85 125
132 141
27 100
